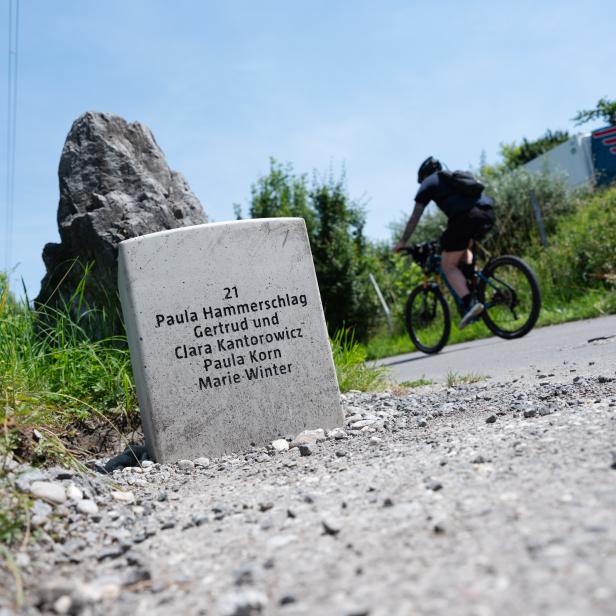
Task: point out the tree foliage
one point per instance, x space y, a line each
335 228
515 155
604 110
516 226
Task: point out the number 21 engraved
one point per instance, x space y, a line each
230 292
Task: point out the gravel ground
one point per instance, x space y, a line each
484 499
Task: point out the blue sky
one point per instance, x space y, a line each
374 86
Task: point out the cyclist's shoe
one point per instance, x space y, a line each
470 315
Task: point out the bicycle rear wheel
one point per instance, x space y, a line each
511 296
427 319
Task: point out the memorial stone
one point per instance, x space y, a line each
227 337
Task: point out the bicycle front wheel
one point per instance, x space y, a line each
427 319
510 293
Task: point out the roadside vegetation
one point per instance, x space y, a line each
65 397
576 271
63 393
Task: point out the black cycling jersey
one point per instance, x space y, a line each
434 188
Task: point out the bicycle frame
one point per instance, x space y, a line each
434 266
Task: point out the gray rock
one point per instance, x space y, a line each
40 512
202 462
25 480
337 434
331 526
59 473
114 185
49 491
306 450
186 465
364 423
308 437
244 602
123 497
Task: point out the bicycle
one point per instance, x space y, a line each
506 286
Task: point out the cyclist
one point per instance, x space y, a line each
468 218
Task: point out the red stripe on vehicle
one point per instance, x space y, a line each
605 132
609 141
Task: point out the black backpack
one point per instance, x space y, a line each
463 182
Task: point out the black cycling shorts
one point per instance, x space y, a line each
462 228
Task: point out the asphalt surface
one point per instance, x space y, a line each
561 350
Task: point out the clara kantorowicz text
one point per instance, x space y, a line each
237 341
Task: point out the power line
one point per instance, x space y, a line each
11 129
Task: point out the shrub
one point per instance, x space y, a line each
335 229
516 225
580 255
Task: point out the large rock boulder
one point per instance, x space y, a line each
114 184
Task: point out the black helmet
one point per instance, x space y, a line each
428 167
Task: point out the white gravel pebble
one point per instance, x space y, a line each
337 434
87 506
123 497
309 437
49 491
74 493
186 465
63 605
280 445
202 462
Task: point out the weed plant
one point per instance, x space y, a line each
55 382
351 368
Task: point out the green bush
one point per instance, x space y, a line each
335 229
580 255
516 226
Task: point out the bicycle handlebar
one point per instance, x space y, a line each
421 252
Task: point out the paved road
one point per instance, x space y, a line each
560 350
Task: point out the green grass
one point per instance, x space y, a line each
352 370
415 383
54 382
456 378
594 303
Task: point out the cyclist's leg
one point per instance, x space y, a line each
466 262
455 242
455 260
450 260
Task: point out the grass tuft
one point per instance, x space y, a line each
56 383
415 383
351 368
455 378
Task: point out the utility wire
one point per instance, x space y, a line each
11 129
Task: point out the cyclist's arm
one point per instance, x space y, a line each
410 226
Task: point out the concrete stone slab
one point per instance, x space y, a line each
227 337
